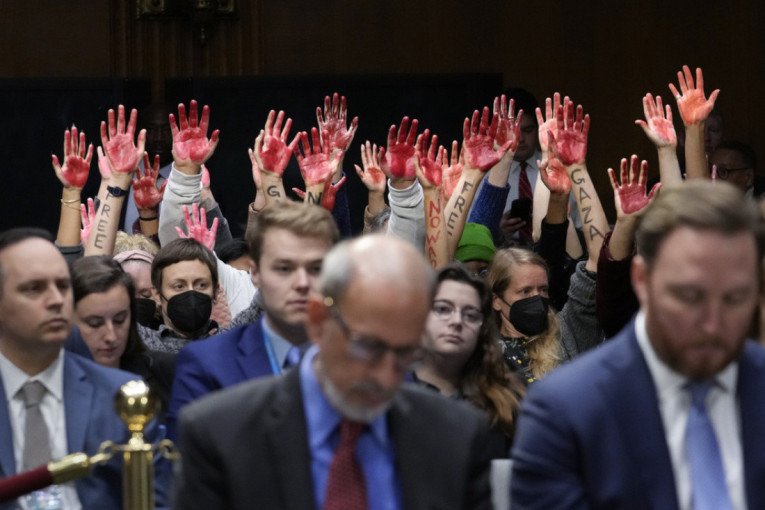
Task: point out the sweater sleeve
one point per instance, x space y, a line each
488 208
579 326
407 214
181 190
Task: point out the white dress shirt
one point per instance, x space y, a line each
674 404
52 409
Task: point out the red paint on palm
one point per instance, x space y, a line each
316 165
430 159
570 144
190 142
147 195
372 175
119 147
272 151
479 141
398 160
451 171
550 121
330 194
509 127
631 193
693 105
659 128
196 226
554 176
76 167
333 122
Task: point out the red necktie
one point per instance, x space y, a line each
524 191
346 489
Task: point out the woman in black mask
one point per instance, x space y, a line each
535 339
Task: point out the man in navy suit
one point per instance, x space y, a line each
76 396
620 427
288 245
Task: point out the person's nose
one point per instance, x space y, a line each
302 279
110 333
712 319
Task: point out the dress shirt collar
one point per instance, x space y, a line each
52 377
280 344
321 417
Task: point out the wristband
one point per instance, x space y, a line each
117 192
148 219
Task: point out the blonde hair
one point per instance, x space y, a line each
543 350
125 242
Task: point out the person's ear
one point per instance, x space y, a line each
255 275
316 321
639 274
749 178
155 295
496 303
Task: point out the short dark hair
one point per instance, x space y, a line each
232 250
524 100
101 273
17 235
743 149
180 250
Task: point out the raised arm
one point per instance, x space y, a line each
570 147
334 130
123 155
547 123
659 129
694 109
374 179
73 176
147 196
428 166
271 155
316 165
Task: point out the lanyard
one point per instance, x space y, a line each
275 368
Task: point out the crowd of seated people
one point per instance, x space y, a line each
529 274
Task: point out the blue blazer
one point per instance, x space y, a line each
217 362
590 434
89 391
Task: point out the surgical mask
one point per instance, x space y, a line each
529 315
189 311
146 312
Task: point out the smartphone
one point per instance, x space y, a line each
521 208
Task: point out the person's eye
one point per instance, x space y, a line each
95 323
737 298
442 309
315 270
473 316
120 318
689 296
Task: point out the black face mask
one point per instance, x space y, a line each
190 311
529 315
146 312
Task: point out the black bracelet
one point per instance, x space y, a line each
148 219
117 192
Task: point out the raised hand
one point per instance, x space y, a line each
147 196
570 144
103 165
554 177
451 171
74 173
316 166
428 161
550 121
328 196
122 153
272 154
398 161
196 226
190 143
372 175
88 218
659 128
630 197
693 105
509 128
333 123
478 141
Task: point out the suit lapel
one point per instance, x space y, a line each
251 355
7 460
288 444
634 404
78 397
751 387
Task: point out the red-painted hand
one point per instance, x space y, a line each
693 105
479 141
190 142
103 165
272 154
147 196
333 122
88 217
74 173
196 226
659 128
121 151
554 177
328 196
509 128
451 171
429 161
317 166
630 197
550 121
398 161
570 144
372 176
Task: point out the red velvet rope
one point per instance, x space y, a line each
24 483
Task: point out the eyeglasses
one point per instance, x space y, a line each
370 350
444 310
724 172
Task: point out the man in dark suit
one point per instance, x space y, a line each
285 443
288 245
74 410
668 414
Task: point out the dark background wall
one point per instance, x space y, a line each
606 56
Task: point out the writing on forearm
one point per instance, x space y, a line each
459 208
579 177
312 198
273 191
435 226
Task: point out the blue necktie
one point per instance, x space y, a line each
708 487
293 357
